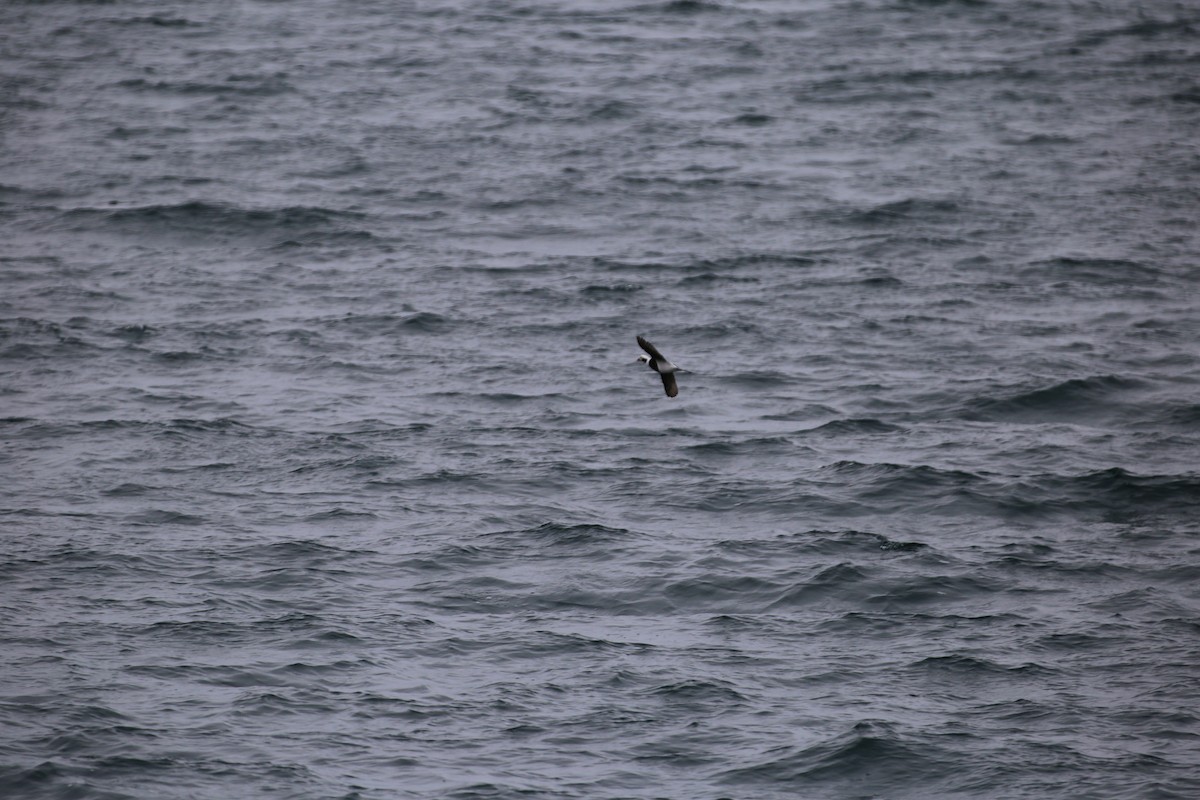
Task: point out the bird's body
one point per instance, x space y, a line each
659 363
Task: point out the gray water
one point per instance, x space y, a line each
329 470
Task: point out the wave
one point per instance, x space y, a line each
718 329
905 85
1181 414
972 668
691 265
35 429
1113 494
618 291
135 334
555 534
886 481
156 517
758 446
1077 400
690 7
1143 29
870 748
1124 495
1101 271
939 3
158 21
24 338
786 499
339 513
701 692
846 583
853 489
549 541
853 427
897 212
216 219
760 379
425 322
757 261
707 279
244 85
818 542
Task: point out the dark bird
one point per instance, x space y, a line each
658 362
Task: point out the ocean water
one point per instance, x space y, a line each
329 470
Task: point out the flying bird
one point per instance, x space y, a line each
658 362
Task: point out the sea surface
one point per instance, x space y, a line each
327 469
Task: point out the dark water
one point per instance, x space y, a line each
329 471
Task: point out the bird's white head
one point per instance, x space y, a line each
643 359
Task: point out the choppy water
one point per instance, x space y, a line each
329 471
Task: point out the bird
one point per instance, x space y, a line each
659 363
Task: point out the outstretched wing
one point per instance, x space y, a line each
651 349
669 384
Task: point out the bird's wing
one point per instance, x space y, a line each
669 384
651 349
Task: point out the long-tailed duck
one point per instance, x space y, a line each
658 362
